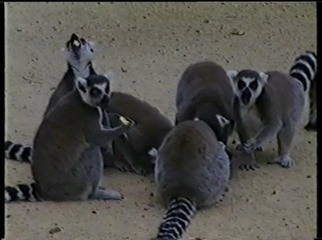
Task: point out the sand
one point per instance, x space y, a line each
148 46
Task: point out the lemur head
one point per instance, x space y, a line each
78 52
95 89
247 85
220 125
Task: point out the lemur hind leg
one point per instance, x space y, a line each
285 141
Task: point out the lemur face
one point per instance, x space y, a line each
95 89
78 51
247 85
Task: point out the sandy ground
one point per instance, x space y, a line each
154 43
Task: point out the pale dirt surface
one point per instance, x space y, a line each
154 43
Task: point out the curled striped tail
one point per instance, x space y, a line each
177 218
305 68
21 192
17 152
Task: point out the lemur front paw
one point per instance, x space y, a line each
127 122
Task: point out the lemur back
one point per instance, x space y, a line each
279 99
79 54
204 92
67 164
192 171
148 133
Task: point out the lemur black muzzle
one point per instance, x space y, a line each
105 101
245 96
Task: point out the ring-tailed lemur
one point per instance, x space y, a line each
192 170
305 69
279 101
151 127
67 161
204 92
79 54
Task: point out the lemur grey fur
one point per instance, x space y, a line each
192 170
132 154
204 92
67 163
79 54
279 100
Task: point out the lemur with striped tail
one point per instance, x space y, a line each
192 170
67 162
305 69
279 101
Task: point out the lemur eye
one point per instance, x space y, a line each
241 84
95 92
253 85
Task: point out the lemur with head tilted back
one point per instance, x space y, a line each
128 154
79 55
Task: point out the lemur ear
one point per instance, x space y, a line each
263 76
222 120
232 74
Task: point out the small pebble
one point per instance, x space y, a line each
123 70
94 212
206 21
308 176
55 230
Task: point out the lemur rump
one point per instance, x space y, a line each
150 129
204 92
79 54
279 100
192 170
67 164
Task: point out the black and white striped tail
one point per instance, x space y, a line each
21 192
305 68
177 218
17 152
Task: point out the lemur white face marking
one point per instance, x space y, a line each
79 53
196 119
222 120
247 85
94 90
